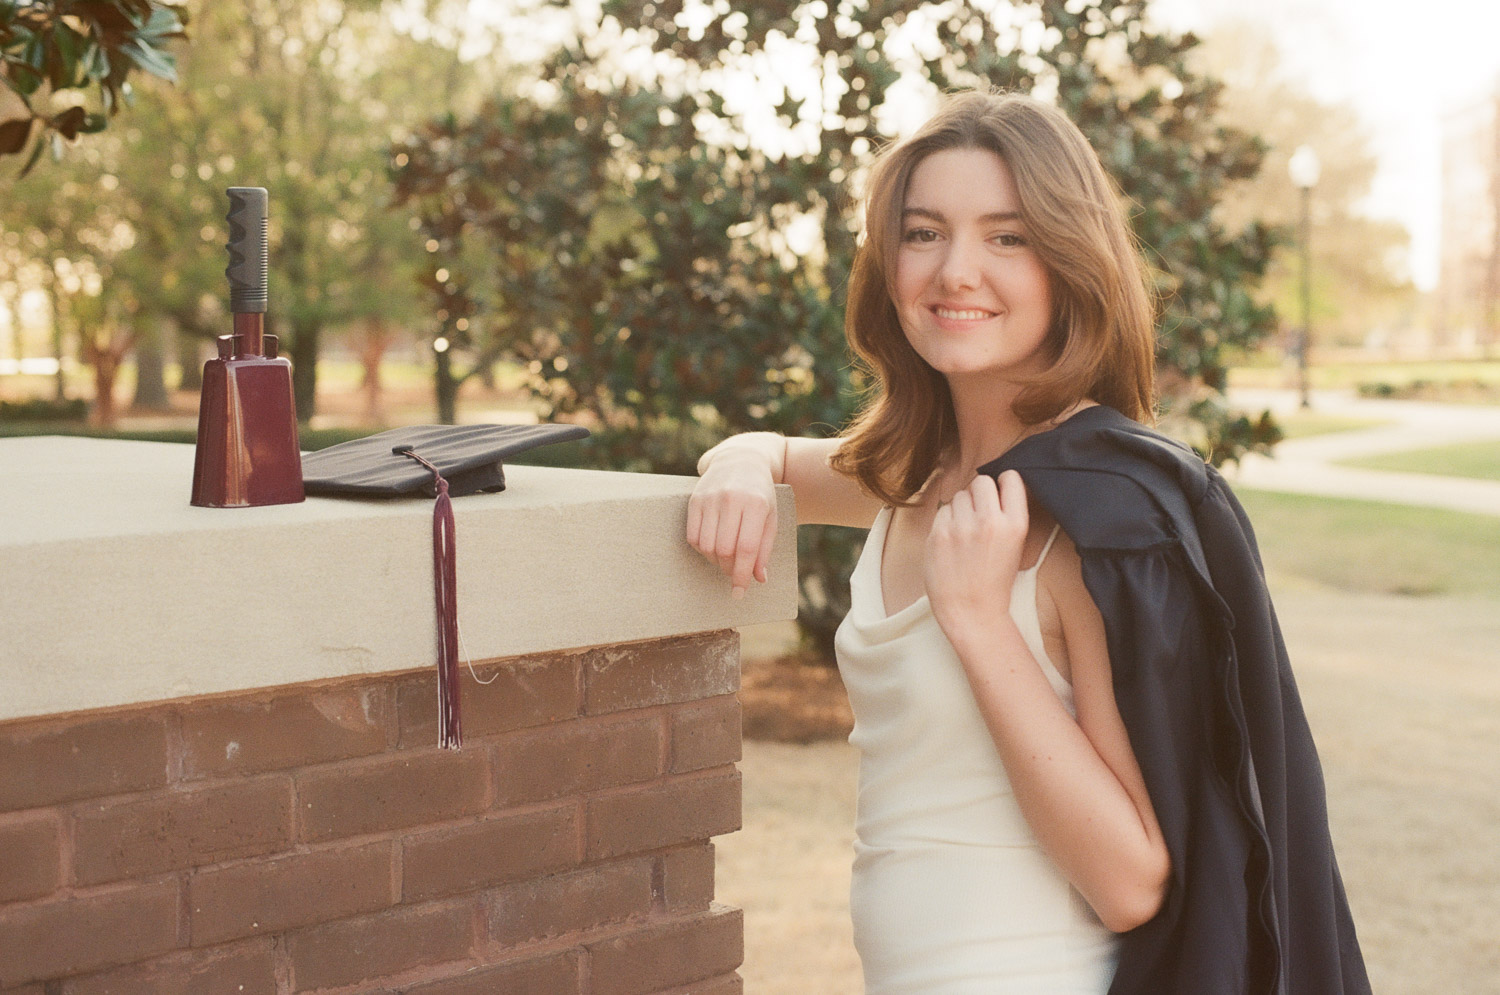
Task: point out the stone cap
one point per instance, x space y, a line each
114 590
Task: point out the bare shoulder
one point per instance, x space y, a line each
1061 574
1077 618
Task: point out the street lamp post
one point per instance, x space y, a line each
1304 169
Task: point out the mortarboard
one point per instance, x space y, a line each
469 457
441 461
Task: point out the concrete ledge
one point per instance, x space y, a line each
114 590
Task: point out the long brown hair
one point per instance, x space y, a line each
1101 339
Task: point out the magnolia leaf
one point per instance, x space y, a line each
70 122
13 135
163 23
98 63
150 60
21 78
36 153
63 58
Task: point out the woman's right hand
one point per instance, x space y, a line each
732 512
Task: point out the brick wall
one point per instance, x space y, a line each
313 839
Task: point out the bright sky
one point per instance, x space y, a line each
1402 64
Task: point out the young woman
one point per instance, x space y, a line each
1084 767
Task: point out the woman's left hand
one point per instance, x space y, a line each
974 551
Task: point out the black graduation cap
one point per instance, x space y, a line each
469 457
440 461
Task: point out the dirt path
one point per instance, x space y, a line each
1404 698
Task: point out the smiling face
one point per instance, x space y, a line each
973 296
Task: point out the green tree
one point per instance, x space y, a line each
74 241
52 49
301 99
296 98
665 246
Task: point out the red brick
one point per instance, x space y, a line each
679 810
245 735
706 734
178 829
660 672
267 896
42 763
240 969
376 946
687 876
400 790
572 902
554 974
529 691
572 758
86 932
30 856
486 853
680 952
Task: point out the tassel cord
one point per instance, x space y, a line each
445 595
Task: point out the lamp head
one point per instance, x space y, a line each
1304 167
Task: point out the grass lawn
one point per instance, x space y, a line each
1366 546
1457 381
1302 424
1479 460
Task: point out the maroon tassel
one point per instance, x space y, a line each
445 593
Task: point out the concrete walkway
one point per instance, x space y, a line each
1307 466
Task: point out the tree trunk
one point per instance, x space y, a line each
106 365
447 389
61 385
304 356
189 359
150 369
372 347
104 351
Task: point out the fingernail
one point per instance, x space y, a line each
738 593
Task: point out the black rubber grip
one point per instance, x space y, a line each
248 255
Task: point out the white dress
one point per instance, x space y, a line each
952 894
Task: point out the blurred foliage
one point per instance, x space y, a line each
627 257
1456 391
38 409
668 259
50 49
309 439
1361 288
302 99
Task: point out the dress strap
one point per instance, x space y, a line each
1048 547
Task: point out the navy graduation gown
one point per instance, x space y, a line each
1255 904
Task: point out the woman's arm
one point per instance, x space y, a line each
732 512
1077 782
